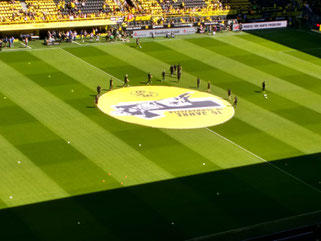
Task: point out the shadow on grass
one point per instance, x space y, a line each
304 41
180 208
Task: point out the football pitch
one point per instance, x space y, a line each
70 172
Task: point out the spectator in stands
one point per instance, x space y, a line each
11 42
5 41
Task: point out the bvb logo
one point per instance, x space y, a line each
144 93
166 107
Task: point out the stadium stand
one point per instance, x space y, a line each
147 6
41 10
271 10
9 11
239 5
182 5
214 5
110 6
147 12
83 6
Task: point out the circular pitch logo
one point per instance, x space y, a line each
166 107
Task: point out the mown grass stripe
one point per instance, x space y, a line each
274 125
244 61
266 194
64 65
60 161
142 64
307 55
279 57
112 60
286 39
22 181
104 149
190 161
2 204
285 107
284 172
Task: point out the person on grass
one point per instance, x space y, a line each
96 100
235 102
263 86
179 75
98 89
163 75
179 68
149 76
138 43
126 80
171 68
111 84
198 82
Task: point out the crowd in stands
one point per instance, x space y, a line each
34 11
63 10
7 42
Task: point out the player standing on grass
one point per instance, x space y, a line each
111 84
179 75
149 76
229 92
126 80
209 86
263 86
98 89
171 68
235 102
198 81
96 100
138 43
179 68
163 75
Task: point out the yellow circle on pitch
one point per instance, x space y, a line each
166 107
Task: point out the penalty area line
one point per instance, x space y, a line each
93 66
263 160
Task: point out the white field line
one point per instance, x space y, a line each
93 66
74 42
25 45
254 226
228 140
242 148
13 50
31 49
263 160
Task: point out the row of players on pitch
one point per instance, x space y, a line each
173 69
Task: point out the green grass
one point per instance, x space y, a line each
64 162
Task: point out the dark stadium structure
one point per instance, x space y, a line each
70 172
